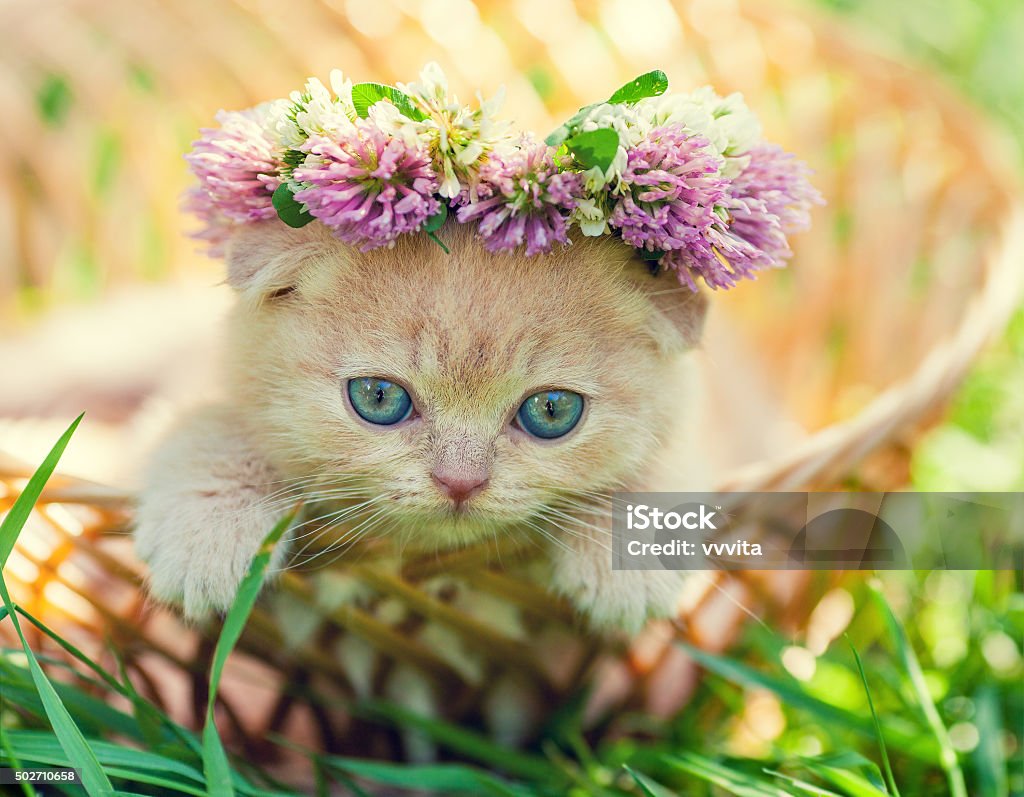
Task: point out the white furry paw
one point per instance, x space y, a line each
202 515
612 599
197 552
619 599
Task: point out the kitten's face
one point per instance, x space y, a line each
468 337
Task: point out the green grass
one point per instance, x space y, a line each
893 708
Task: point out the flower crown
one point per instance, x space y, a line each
685 178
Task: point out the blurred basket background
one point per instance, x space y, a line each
911 267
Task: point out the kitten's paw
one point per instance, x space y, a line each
203 515
617 599
197 553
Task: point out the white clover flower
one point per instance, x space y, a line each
623 119
591 217
342 88
273 116
392 121
313 111
459 137
727 123
432 86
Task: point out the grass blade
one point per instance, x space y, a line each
79 753
989 755
41 748
11 759
852 783
94 714
18 515
108 679
148 717
794 696
738 783
439 778
886 766
802 785
947 755
464 742
219 780
648 786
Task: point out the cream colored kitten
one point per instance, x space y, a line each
468 336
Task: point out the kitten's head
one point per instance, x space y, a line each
458 393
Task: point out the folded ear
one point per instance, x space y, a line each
678 320
685 310
266 257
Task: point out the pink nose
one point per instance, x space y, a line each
459 485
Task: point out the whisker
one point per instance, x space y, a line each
739 604
336 519
545 533
350 538
553 511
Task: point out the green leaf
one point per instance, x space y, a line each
563 132
79 753
651 255
649 84
435 222
366 95
292 213
219 780
558 136
594 148
433 237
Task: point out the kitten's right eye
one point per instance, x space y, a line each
379 401
550 413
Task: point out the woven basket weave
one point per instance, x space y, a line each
910 268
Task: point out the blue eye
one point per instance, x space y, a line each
379 401
550 413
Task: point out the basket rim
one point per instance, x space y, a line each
845 443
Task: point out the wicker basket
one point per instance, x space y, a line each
911 267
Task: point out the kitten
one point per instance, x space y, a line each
321 330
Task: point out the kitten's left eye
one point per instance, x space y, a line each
550 413
379 401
